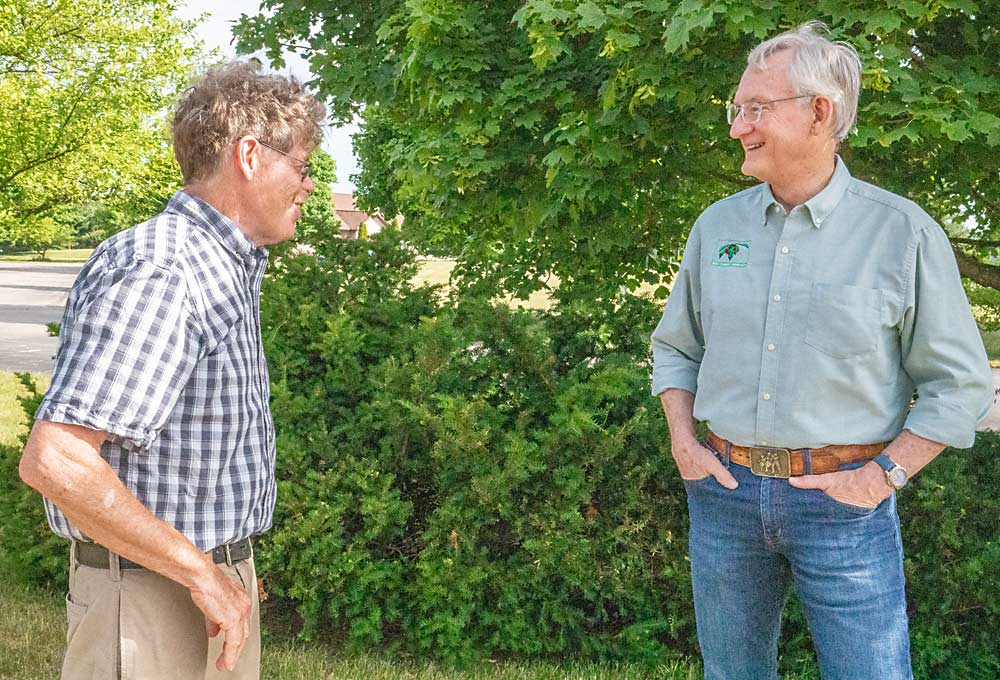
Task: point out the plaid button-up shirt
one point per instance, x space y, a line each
160 348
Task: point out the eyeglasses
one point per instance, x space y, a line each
306 166
752 111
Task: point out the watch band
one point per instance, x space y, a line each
884 462
895 474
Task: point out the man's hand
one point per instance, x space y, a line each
694 461
226 607
864 487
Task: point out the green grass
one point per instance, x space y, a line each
33 624
438 272
12 421
73 255
991 340
32 630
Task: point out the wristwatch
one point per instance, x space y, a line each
895 475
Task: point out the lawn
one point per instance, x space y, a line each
31 646
438 272
74 255
991 340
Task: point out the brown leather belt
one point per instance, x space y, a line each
769 461
98 557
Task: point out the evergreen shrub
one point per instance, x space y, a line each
460 480
28 549
465 479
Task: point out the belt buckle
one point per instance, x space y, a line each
769 461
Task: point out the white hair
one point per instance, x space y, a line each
819 66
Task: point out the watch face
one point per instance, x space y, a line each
897 476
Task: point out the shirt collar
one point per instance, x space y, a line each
822 204
224 229
819 206
767 202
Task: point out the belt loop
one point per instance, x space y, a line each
115 566
807 463
729 454
229 555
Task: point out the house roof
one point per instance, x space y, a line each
350 217
344 202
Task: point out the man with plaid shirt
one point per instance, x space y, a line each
154 446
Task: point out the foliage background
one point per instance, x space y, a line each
83 89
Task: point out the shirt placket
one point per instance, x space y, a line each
261 375
771 353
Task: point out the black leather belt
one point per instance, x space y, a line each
98 557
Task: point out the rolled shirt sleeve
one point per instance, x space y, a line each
678 341
942 350
128 345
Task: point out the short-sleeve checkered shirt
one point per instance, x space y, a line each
160 348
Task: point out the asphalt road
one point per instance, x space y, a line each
33 294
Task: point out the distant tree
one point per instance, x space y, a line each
40 235
582 137
83 90
319 221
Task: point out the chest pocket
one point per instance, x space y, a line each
844 321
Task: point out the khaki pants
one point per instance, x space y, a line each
138 625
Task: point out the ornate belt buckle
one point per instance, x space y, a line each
766 461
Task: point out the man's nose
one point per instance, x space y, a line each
739 127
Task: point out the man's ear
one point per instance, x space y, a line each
822 110
246 156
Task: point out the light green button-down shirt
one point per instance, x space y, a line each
814 327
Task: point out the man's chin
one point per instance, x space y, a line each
751 169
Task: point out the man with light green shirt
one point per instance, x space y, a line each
805 313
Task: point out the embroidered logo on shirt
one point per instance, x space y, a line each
732 253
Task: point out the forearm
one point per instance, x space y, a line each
912 452
62 463
678 407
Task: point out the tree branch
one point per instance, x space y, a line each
984 274
38 209
35 163
975 242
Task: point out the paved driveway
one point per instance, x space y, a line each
32 294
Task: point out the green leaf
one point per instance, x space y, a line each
913 8
591 16
956 131
610 94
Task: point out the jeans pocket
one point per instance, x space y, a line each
859 510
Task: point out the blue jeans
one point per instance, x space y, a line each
846 563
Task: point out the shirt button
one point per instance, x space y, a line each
784 250
766 396
777 298
770 348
